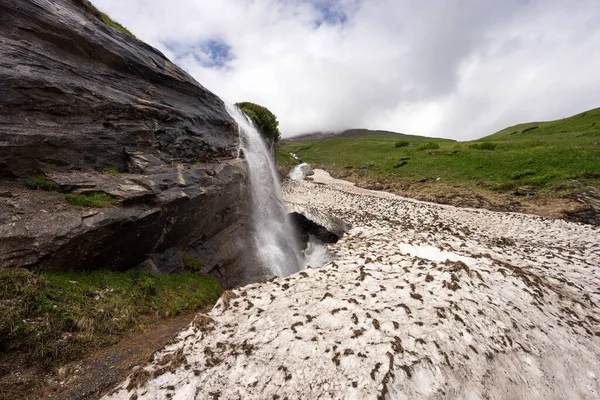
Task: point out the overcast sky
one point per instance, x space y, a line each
459 69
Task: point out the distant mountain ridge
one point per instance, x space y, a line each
355 133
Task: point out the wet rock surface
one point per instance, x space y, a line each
324 219
78 93
178 210
98 111
306 227
423 301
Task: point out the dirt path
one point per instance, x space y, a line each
97 373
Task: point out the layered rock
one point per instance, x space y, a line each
175 211
78 97
78 93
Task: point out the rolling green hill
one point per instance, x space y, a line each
520 165
586 123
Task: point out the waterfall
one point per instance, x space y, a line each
273 236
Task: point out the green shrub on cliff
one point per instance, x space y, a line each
111 171
89 7
264 120
192 265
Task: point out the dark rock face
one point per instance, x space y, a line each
590 212
78 93
326 227
77 96
305 227
175 211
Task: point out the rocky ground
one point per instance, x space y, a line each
582 206
422 301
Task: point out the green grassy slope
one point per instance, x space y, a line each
284 157
54 317
555 156
586 123
285 161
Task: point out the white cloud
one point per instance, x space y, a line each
448 68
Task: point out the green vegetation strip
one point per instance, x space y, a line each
40 182
108 21
111 171
91 200
103 17
285 158
54 317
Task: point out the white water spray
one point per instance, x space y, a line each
272 234
316 254
296 173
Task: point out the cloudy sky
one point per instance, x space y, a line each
459 69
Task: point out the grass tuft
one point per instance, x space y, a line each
55 317
98 200
108 21
401 143
147 286
531 128
429 146
111 171
523 174
505 186
192 265
40 182
483 146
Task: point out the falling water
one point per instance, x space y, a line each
272 234
296 173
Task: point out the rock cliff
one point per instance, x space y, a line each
78 93
79 98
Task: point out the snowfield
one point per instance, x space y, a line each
423 301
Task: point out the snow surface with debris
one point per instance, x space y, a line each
423 301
